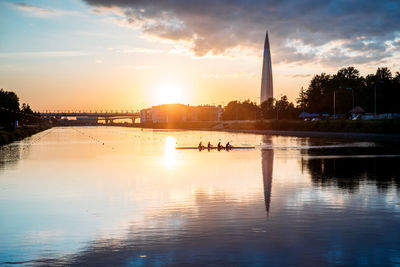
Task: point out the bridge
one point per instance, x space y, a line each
107 116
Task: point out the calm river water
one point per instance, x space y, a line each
123 196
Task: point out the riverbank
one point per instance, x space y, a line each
344 126
8 135
365 130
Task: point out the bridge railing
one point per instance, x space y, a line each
73 113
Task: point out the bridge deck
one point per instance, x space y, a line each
90 114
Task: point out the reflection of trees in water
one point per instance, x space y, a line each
9 155
267 157
349 172
195 235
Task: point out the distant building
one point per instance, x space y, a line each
165 113
169 113
267 90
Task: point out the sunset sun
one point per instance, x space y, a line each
169 93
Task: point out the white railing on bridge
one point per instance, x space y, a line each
99 113
90 111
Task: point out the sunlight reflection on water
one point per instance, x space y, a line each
169 152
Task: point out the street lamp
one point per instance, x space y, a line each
352 96
334 102
381 82
277 108
375 99
255 108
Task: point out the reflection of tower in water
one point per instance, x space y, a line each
267 157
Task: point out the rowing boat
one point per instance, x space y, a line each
206 148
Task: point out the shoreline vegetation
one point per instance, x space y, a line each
11 134
17 121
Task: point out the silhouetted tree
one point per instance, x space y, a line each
286 110
349 86
268 109
301 100
9 107
236 110
280 109
317 94
11 112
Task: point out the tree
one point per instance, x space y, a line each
315 99
268 109
236 110
26 109
9 107
301 100
9 101
349 88
285 110
11 112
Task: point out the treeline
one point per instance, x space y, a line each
379 92
11 111
328 94
270 109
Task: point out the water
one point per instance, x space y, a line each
122 196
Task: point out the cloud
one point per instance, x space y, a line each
300 75
34 9
359 29
43 12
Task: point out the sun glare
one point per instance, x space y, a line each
169 93
169 152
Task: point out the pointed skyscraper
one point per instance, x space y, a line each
266 78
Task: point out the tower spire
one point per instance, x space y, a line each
266 78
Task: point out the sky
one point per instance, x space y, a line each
120 54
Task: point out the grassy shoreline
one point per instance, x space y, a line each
8 135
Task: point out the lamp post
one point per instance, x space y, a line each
255 108
236 109
334 102
352 96
375 100
375 95
277 108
